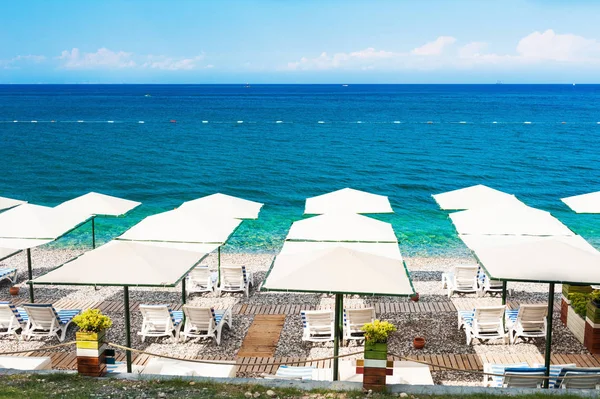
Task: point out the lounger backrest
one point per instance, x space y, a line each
200 273
42 315
524 377
579 383
498 371
157 314
555 372
202 318
233 276
532 317
321 320
465 276
488 318
356 318
8 311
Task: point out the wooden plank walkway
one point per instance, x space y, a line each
262 336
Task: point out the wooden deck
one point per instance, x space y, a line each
262 336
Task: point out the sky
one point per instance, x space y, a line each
300 41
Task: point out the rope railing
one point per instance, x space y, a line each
291 362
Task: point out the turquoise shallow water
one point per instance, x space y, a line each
372 137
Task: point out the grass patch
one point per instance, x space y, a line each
68 386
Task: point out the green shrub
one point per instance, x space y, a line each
92 320
378 331
579 302
595 296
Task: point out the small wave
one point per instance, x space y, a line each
79 121
397 122
527 123
33 121
240 121
320 122
204 121
278 121
463 122
141 122
110 121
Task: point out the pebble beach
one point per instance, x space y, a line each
439 328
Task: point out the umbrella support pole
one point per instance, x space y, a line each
183 291
31 297
549 332
336 335
93 234
127 327
219 266
504 292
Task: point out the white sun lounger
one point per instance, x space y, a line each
523 377
530 322
200 279
317 325
205 322
498 371
483 323
10 319
555 371
354 319
9 274
593 382
285 372
235 279
45 321
160 321
488 285
462 279
26 362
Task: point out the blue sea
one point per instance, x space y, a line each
279 144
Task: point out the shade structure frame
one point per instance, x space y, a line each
12 253
10 203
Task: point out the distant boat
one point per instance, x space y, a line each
499 82
147 95
344 85
573 84
247 85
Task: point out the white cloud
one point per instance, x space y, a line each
21 60
359 59
558 47
472 49
435 47
173 64
103 58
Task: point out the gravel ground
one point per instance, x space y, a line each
439 329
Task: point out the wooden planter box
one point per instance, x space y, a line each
569 289
592 328
375 366
90 353
576 324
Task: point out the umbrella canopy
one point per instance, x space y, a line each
473 197
340 270
181 226
7 252
348 200
388 250
28 225
7 203
549 260
586 203
342 227
224 205
126 264
477 242
98 204
508 219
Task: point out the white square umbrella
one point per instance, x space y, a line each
544 260
224 205
121 263
7 203
508 220
473 197
339 227
585 203
96 204
348 200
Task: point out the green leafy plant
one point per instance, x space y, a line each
595 297
579 302
378 331
92 320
